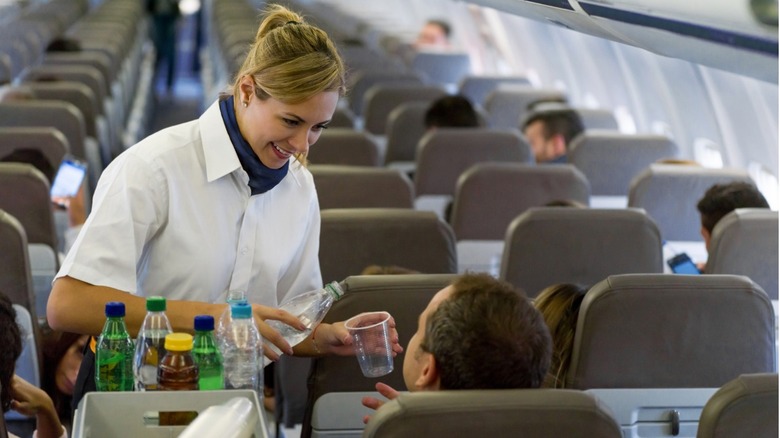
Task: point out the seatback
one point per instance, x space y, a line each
342 118
477 88
361 187
403 296
444 154
744 242
669 194
345 146
610 160
597 119
442 68
73 92
405 127
27 366
490 195
671 331
380 100
746 406
551 245
508 106
62 116
25 195
351 239
49 141
530 413
363 81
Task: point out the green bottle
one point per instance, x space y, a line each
114 352
207 355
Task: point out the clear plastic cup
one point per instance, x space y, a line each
371 333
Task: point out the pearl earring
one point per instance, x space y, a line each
245 103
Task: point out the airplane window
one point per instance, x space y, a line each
766 183
707 153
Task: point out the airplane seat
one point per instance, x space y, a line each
745 406
477 88
744 242
669 194
610 160
531 413
342 118
597 119
345 146
551 245
405 127
445 69
381 99
404 297
444 154
361 81
490 195
50 142
361 187
353 238
507 106
27 366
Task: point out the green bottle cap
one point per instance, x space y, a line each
155 304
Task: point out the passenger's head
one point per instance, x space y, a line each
10 348
565 203
478 333
63 44
435 34
387 270
560 305
549 132
721 199
287 88
31 156
451 112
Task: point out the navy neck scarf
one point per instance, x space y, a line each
261 177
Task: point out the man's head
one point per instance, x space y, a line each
721 199
550 132
434 34
478 333
451 112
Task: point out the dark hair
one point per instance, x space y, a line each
10 349
721 199
565 122
565 203
31 156
64 45
387 270
487 335
451 112
559 305
445 27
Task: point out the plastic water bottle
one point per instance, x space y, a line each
223 326
206 354
114 352
150 344
310 308
243 351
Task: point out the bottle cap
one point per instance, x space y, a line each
115 309
241 310
204 323
335 289
155 304
178 342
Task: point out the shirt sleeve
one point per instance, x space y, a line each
304 273
128 209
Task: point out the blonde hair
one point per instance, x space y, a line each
290 60
560 306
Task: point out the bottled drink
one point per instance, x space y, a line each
114 352
233 297
177 369
206 354
243 351
310 308
150 345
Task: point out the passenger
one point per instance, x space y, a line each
165 15
15 392
387 270
721 199
434 35
560 306
216 204
451 112
565 203
477 333
63 44
550 131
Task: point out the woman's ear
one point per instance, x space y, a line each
429 376
246 88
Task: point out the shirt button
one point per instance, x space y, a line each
244 250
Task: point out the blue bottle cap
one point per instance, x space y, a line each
115 309
241 310
204 323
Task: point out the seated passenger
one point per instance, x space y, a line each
387 270
559 305
434 35
15 392
477 333
451 112
549 132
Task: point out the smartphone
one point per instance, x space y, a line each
682 264
68 180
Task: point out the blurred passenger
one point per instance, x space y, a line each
434 35
387 270
560 306
721 199
451 112
477 333
63 44
565 203
549 132
15 392
165 15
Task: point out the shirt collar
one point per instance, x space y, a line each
221 157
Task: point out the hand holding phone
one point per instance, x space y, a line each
68 180
682 264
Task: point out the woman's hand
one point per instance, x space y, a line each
375 403
263 313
